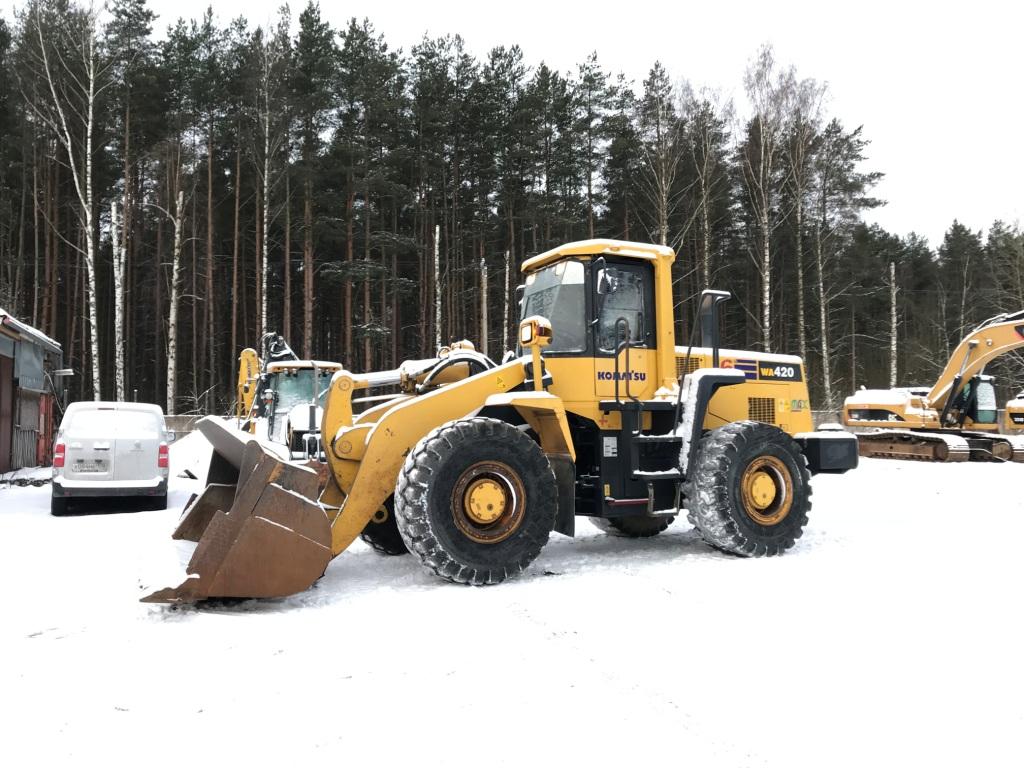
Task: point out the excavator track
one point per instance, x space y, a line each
946 447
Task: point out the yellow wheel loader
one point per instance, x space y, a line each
956 419
279 397
474 464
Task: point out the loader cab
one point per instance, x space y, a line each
595 303
591 304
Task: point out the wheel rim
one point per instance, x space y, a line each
488 502
767 488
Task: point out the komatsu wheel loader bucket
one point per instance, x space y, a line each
200 511
273 541
226 470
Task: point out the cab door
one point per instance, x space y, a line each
624 302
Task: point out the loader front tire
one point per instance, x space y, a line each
634 526
750 491
476 501
381 532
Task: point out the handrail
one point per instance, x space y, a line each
624 344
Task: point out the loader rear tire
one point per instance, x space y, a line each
383 536
476 501
750 491
633 527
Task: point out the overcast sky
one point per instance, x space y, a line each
937 86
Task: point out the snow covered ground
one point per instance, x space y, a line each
889 636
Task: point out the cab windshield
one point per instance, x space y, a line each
557 293
295 387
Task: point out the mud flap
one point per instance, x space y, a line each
275 540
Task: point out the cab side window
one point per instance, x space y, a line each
623 292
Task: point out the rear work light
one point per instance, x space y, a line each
162 460
58 455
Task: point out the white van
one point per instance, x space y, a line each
111 449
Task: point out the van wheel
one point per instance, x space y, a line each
58 506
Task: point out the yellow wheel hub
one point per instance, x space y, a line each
484 501
767 490
762 490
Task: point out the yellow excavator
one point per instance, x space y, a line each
956 419
471 464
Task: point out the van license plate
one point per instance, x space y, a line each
90 466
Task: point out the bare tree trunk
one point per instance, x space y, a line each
504 315
194 289
172 322
826 365
234 254
257 268
119 252
892 324
208 302
766 285
437 287
307 271
286 322
349 260
35 237
367 306
483 306
266 221
801 325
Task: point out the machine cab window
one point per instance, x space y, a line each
623 291
558 293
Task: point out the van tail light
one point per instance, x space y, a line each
58 455
163 457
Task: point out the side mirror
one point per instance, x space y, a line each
597 269
171 436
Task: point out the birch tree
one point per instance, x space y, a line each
273 49
65 51
661 137
177 218
119 251
707 116
767 91
840 193
802 126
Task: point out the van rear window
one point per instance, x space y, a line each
110 422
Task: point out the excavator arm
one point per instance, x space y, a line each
994 337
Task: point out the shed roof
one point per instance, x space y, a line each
27 332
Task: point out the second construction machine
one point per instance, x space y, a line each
470 465
956 419
280 398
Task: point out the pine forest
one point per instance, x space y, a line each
170 190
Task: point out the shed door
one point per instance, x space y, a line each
6 411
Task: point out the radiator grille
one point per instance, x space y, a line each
684 366
761 409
